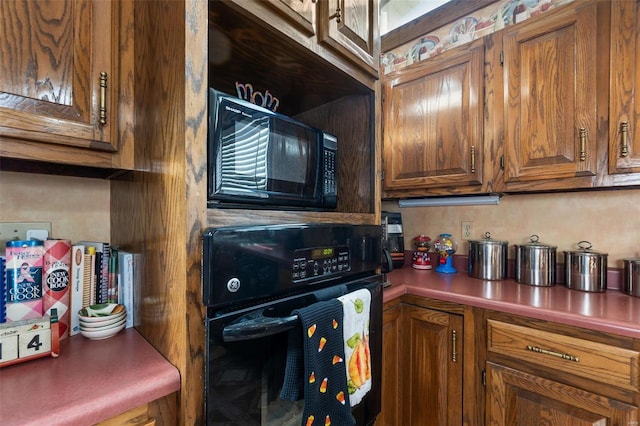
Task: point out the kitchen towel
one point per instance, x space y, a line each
324 381
356 307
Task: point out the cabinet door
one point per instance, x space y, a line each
57 77
550 95
301 13
351 28
431 367
433 121
624 110
391 344
516 398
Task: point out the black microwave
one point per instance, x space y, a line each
259 158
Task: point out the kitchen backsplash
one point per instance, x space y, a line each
609 220
77 208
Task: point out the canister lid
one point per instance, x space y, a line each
487 240
535 243
584 248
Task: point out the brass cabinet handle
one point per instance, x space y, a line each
473 158
103 98
558 354
336 15
583 144
624 134
454 342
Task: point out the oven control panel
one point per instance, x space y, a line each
320 262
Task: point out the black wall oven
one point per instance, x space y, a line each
253 279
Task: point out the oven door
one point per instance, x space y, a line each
244 369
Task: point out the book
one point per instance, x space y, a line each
3 289
126 295
56 282
102 268
112 284
77 287
138 268
23 269
89 292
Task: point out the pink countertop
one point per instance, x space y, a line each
91 381
611 311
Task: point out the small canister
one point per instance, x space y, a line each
631 278
585 269
488 258
535 263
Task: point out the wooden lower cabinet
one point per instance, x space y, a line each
138 416
422 377
516 398
556 375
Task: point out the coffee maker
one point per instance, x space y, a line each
394 237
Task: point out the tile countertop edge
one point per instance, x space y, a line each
91 381
611 312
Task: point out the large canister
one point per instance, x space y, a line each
535 263
488 258
631 278
585 269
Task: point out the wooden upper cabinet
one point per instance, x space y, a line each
433 121
624 107
301 13
550 96
59 80
351 28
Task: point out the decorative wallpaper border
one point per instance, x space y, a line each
485 21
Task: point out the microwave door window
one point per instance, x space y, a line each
243 157
292 153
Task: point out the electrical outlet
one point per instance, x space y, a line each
467 230
18 230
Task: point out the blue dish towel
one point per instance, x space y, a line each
318 345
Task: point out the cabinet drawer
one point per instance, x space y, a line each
591 360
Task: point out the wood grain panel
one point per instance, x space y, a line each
160 211
392 402
595 361
51 56
624 126
355 33
551 96
516 398
433 122
431 382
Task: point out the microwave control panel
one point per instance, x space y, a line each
330 172
320 262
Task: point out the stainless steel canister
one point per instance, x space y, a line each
584 269
488 258
535 263
631 278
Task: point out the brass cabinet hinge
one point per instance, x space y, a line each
484 377
502 162
502 58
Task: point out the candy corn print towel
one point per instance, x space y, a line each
356 306
326 397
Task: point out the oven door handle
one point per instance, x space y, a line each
255 325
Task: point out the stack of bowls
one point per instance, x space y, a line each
102 321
